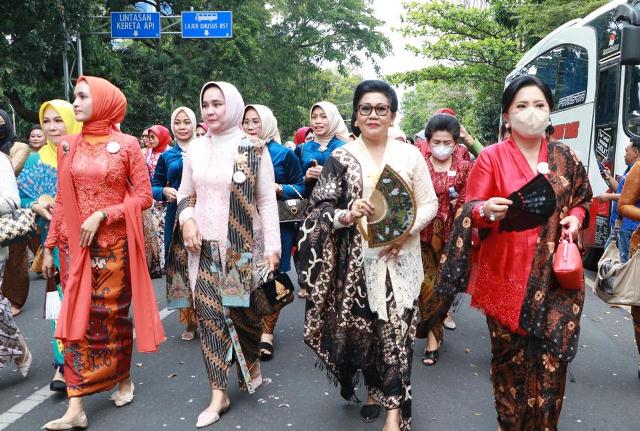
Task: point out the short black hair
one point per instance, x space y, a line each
635 143
31 129
372 86
442 123
521 82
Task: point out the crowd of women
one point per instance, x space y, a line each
205 211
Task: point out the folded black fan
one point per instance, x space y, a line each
532 205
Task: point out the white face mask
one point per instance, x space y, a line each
442 152
530 122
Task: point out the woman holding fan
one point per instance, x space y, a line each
533 322
362 307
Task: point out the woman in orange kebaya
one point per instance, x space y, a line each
103 185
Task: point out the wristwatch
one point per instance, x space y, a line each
104 215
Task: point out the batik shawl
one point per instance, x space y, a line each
339 325
549 312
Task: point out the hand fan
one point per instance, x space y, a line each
394 212
38 179
532 205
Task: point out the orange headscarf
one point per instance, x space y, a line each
109 106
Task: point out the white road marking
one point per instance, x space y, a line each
25 406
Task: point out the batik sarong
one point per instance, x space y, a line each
528 383
433 307
103 358
388 381
10 346
226 334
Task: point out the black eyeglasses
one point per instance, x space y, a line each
367 109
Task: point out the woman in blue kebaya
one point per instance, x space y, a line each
165 184
259 121
330 133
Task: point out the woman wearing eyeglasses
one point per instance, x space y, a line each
362 307
449 174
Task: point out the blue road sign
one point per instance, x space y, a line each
207 24
135 25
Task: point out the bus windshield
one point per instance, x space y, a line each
632 100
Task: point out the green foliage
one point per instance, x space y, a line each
274 58
420 102
476 48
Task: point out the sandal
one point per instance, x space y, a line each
266 351
369 412
430 356
188 335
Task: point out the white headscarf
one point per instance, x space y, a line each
235 107
337 127
192 118
269 123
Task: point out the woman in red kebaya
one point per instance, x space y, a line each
103 184
533 322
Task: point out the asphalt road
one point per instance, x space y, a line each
456 394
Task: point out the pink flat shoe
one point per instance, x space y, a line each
208 417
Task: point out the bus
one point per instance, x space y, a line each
594 74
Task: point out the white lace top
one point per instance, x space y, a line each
405 270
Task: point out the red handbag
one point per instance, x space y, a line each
567 265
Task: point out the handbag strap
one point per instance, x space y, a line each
12 206
297 192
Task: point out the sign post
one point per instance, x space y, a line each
135 25
207 24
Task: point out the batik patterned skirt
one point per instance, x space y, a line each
389 380
528 383
433 307
153 223
220 341
103 358
10 346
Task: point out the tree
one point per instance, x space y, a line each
478 47
420 102
274 58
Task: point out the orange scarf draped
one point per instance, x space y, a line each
76 304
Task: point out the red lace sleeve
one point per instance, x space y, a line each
138 176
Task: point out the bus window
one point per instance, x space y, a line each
632 101
606 115
607 96
546 67
608 34
565 70
572 77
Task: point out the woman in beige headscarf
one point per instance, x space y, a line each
224 213
260 122
330 133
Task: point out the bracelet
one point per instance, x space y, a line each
342 218
491 218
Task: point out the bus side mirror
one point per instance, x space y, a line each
630 45
628 18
